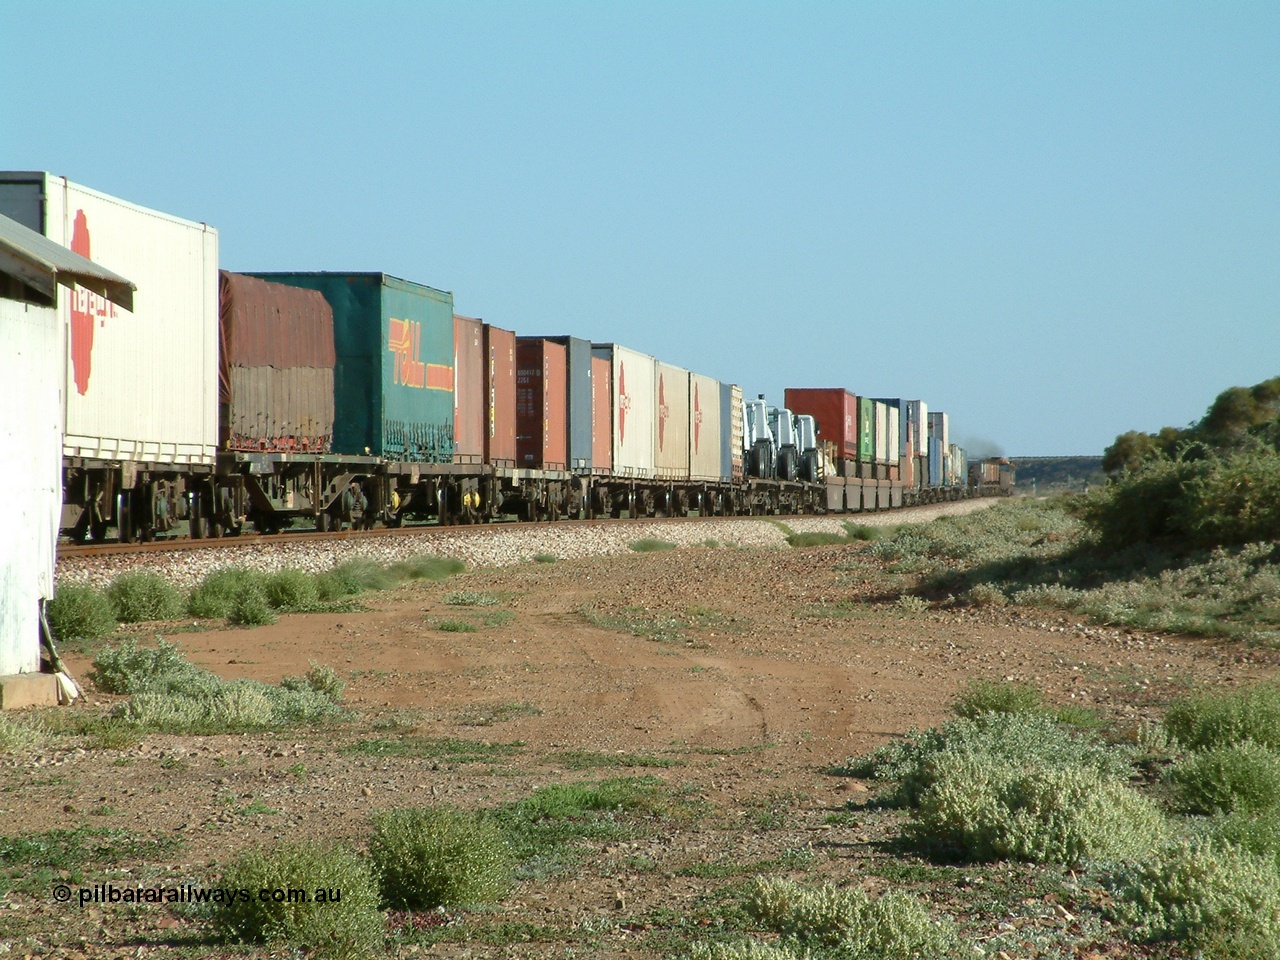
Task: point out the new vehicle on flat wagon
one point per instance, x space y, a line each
323 398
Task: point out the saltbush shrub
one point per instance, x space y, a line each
80 613
986 696
215 595
1239 776
892 926
1257 833
1218 719
250 608
140 596
982 809
740 950
352 927
428 857
129 668
1199 891
291 590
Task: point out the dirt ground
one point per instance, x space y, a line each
747 671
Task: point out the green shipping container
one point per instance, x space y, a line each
393 381
866 429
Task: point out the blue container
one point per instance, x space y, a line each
393 381
579 356
935 462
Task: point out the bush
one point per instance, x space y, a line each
984 696
291 590
321 679
140 596
544 558
980 809
129 668
1219 719
1008 739
741 950
215 595
251 609
17 736
1239 776
80 613
895 925
1258 834
470 598
650 544
1199 891
428 568
352 927
429 857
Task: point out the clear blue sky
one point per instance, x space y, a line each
1055 221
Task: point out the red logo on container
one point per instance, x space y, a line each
624 403
697 417
663 411
86 307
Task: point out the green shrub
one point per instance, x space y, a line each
1199 891
1240 776
650 544
470 598
985 696
816 539
17 735
1258 834
429 857
456 626
980 809
80 613
251 609
428 568
129 668
1218 719
140 596
740 950
895 925
352 927
544 558
215 595
291 590
319 678
1009 739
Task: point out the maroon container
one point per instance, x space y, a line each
468 390
500 396
275 367
836 411
601 415
542 404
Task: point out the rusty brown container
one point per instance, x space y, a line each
276 362
500 396
836 412
601 415
542 404
468 390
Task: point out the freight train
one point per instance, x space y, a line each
270 400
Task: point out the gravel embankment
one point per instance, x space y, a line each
483 546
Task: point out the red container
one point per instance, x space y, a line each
601 415
468 390
542 404
836 411
500 396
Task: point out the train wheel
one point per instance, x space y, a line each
322 522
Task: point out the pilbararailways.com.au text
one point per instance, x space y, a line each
101 893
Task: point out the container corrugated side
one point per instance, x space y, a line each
143 385
500 396
580 413
468 390
935 462
881 431
393 381
633 415
705 428
917 412
601 415
542 405
31 368
671 430
276 363
836 412
940 427
866 429
734 429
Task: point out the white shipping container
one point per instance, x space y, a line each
140 386
31 449
917 412
883 437
634 421
705 454
735 430
671 424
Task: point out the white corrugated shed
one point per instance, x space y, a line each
142 384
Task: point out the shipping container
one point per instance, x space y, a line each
601 415
731 429
468 390
882 435
500 396
890 449
917 412
393 383
671 424
705 426
139 385
275 371
542 404
836 412
634 420
581 453
866 429
935 462
939 427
